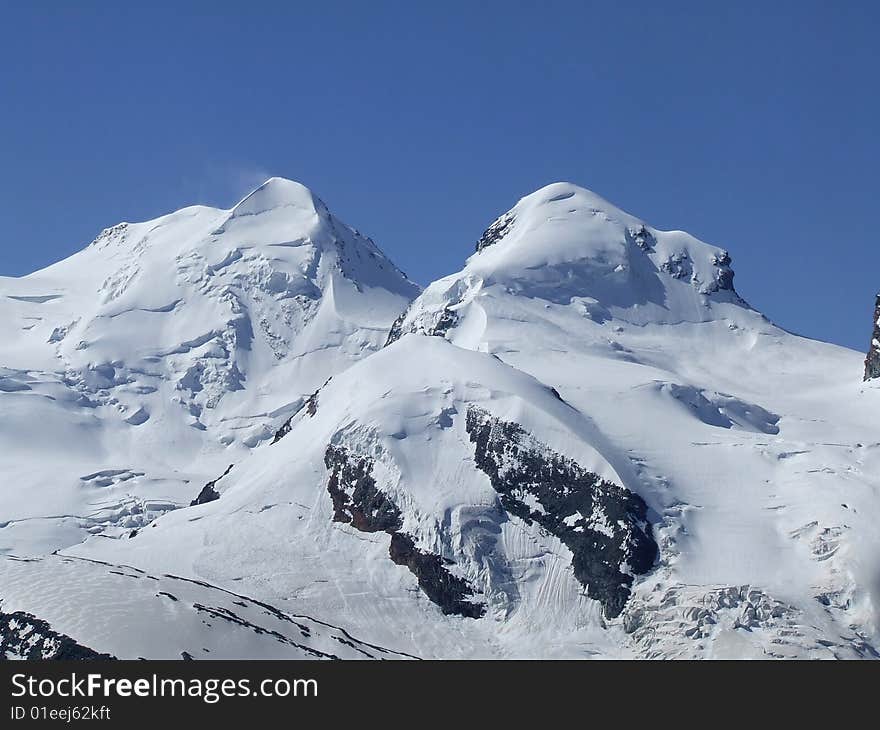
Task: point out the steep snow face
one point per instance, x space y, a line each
142 365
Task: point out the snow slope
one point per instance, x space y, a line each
583 444
274 526
183 618
755 446
139 368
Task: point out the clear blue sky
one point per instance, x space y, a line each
752 125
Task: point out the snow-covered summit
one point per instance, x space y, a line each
567 246
568 236
279 192
255 276
178 339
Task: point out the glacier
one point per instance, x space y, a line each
583 444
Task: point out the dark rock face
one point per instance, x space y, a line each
443 321
396 331
208 493
723 273
24 636
358 502
604 525
494 233
678 266
448 591
312 403
643 238
310 406
872 362
283 430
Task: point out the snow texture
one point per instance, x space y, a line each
583 444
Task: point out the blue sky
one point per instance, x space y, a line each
752 127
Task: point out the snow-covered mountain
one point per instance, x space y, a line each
143 365
584 443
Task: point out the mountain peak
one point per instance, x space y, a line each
554 205
563 234
556 194
566 245
279 192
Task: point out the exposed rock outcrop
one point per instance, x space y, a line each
283 430
310 406
494 233
396 331
448 591
604 525
23 636
435 325
209 493
357 501
872 361
642 237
